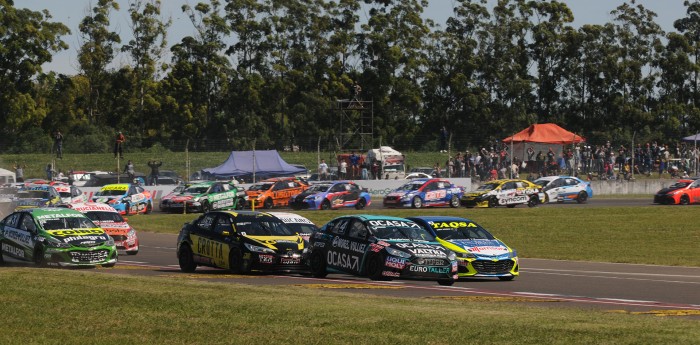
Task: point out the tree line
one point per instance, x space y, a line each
269 74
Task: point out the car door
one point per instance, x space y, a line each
18 233
435 192
694 192
206 247
554 188
336 194
352 193
340 255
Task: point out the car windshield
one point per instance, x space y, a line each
34 194
261 186
399 230
196 190
488 186
411 186
111 192
459 230
263 228
319 188
104 216
67 223
679 185
542 183
301 228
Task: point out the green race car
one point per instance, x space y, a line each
205 197
55 237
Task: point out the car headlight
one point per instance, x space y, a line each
258 249
54 243
451 256
396 252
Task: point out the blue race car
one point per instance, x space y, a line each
126 198
37 195
425 192
331 195
479 254
565 188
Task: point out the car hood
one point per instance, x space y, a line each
114 228
80 237
419 249
277 243
477 192
303 195
480 247
106 199
668 190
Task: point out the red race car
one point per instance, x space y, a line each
683 192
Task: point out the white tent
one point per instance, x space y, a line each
7 176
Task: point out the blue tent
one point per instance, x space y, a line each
262 164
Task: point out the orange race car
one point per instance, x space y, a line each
274 192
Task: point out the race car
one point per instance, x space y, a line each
683 192
205 197
331 195
240 242
424 192
300 225
126 198
164 203
112 223
479 254
274 192
564 188
70 194
37 195
381 248
507 193
56 236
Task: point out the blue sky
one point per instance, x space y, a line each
70 12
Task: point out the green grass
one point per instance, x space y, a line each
644 235
51 306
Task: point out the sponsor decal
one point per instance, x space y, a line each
433 262
266 259
17 236
408 245
12 250
452 225
394 262
84 238
384 243
58 215
290 261
422 252
513 200
375 247
348 245
343 260
398 223
116 187
435 195
391 274
319 244
293 220
75 232
210 248
429 269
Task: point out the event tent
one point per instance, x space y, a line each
261 163
542 137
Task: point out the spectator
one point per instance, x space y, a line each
155 171
49 172
443 139
343 169
19 172
375 170
58 144
118 145
129 170
436 170
323 170
354 165
364 171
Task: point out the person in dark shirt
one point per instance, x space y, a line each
155 171
118 145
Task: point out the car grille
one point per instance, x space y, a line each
89 257
87 245
430 262
492 267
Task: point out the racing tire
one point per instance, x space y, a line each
38 257
268 204
132 252
360 204
149 208
684 200
374 268
317 265
493 202
533 201
240 204
446 282
109 265
185 259
206 207
417 202
582 197
506 278
325 205
454 202
236 264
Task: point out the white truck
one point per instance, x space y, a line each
391 162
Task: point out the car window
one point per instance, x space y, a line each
358 230
508 185
13 220
223 223
337 188
340 227
206 221
28 223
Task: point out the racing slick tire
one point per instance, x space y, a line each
268 204
236 263
533 201
38 257
493 202
149 208
240 204
582 197
186 259
454 202
325 205
374 268
684 200
317 265
417 202
506 278
360 204
446 282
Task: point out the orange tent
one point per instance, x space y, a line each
545 133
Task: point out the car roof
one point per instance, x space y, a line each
127 185
93 206
293 218
50 211
439 218
373 217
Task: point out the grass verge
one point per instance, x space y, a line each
658 235
49 306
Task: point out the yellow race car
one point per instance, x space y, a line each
509 193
